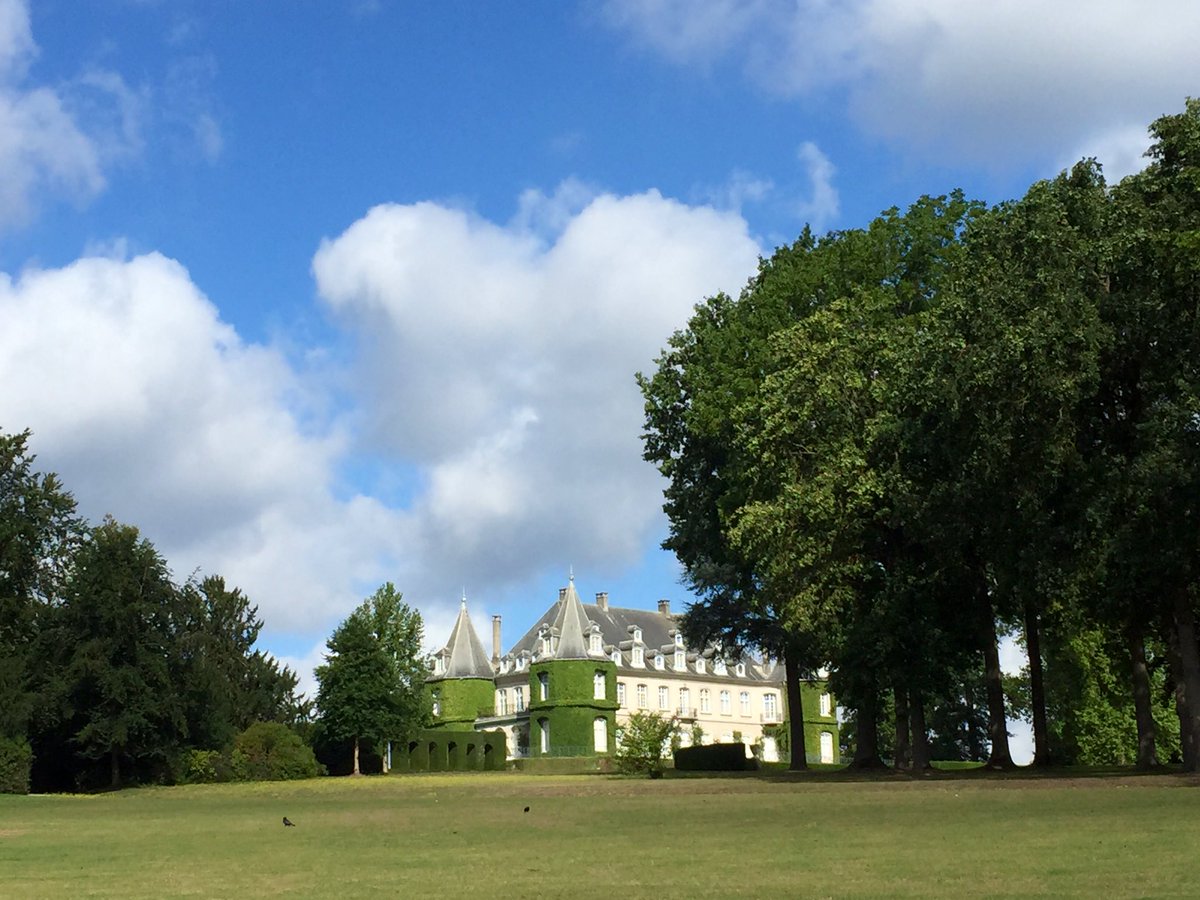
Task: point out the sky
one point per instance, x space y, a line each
321 295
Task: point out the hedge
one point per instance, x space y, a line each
16 759
714 758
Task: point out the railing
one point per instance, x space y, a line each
769 718
685 712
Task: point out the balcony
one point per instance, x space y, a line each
686 713
770 718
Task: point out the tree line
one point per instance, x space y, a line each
111 672
902 441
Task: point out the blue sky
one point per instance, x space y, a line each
330 293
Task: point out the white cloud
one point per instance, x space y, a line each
55 139
152 409
500 361
1004 83
821 205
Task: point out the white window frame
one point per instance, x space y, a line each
726 704
744 703
519 696
543 685
599 686
664 697
826 704
621 694
705 700
642 697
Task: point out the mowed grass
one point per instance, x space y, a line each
960 835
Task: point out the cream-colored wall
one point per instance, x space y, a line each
716 725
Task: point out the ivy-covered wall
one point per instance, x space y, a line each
444 750
462 700
571 708
814 722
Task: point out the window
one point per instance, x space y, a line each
639 658
685 700
545 645
621 694
543 685
744 701
437 703
827 747
719 666
704 700
595 643
726 707
826 705
502 704
637 635
599 688
770 708
641 696
679 639
699 665
520 663
741 670
544 728
664 698
439 665
600 734
680 661
519 694
659 662
616 657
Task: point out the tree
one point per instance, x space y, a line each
371 687
115 646
39 531
641 742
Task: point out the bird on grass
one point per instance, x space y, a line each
527 809
288 823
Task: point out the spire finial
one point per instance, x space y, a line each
464 598
571 573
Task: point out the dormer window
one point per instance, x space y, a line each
678 639
741 670
545 645
520 663
595 642
439 665
616 657
700 665
719 666
639 656
659 662
637 635
680 661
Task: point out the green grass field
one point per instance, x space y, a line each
447 836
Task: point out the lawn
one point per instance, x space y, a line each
827 835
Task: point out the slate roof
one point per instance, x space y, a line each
463 654
618 627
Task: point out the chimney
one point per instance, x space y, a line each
664 607
602 600
562 594
495 639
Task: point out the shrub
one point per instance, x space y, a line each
714 758
15 761
206 767
270 751
640 744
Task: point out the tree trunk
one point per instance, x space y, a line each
114 765
866 744
903 756
1189 679
356 771
920 733
798 753
1037 687
999 757
1147 753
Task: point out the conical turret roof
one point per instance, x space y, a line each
465 657
570 624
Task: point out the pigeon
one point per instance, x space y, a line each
288 823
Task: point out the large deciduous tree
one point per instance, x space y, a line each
372 685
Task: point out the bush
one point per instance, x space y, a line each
206 767
16 759
641 742
714 758
270 751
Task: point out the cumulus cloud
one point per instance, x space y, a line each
154 410
821 205
1001 83
499 360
